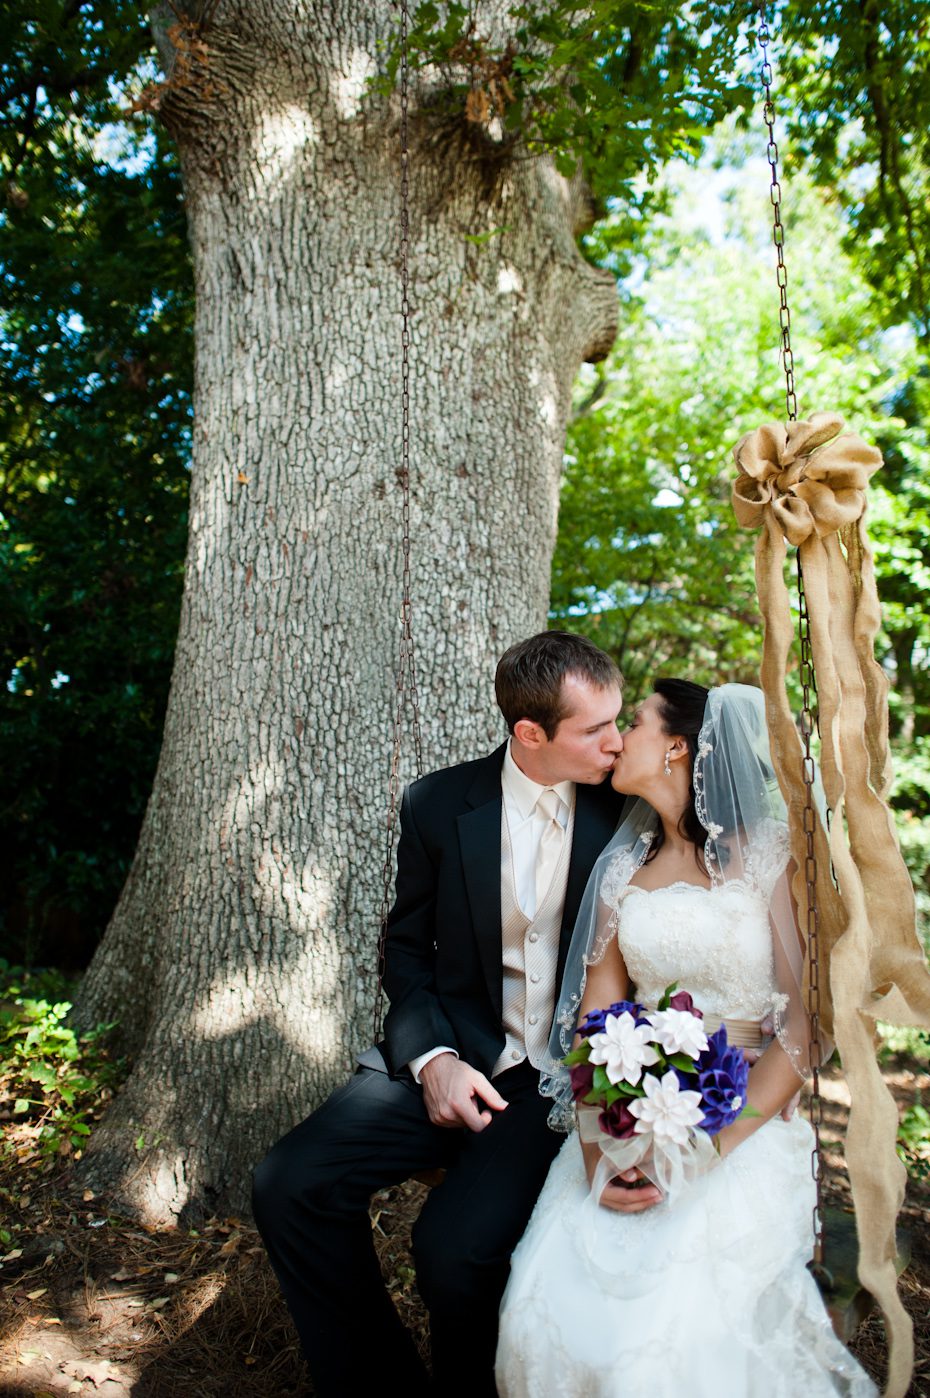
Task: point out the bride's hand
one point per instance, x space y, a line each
628 1193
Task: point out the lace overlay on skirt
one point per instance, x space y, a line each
713 1298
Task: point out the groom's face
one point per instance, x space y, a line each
584 745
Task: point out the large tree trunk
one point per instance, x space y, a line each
241 956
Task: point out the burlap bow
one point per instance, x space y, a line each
810 482
805 483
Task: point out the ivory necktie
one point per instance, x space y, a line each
550 846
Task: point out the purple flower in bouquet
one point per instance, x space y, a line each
582 1076
594 1022
617 1120
682 1000
722 1079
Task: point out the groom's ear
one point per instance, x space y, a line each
528 733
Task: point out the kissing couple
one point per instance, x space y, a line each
531 893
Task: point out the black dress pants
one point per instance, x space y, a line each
310 1200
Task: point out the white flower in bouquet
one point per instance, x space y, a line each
667 1110
623 1048
678 1031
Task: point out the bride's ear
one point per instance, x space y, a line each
677 748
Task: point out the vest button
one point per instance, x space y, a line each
534 978
515 1053
534 1019
534 937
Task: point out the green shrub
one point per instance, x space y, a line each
53 1083
914 1141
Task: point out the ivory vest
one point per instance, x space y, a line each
530 949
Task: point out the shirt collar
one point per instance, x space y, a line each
524 792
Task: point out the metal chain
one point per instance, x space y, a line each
778 231
808 726
808 679
406 691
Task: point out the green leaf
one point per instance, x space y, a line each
667 994
600 1082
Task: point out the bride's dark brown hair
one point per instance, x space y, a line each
682 712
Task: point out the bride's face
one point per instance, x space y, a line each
640 764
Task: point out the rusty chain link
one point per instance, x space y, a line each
808 727
808 716
778 231
406 691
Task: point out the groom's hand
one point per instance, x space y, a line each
454 1093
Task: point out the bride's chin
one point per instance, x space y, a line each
619 785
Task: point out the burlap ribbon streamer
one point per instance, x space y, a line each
806 482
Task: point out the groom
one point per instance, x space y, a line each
492 861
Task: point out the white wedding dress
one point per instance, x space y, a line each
708 1297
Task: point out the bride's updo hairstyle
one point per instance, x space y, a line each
682 709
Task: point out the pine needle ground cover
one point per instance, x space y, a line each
95 1303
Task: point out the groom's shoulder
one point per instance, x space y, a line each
456 781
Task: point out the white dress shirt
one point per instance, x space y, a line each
526 824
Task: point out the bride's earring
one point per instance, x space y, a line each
668 768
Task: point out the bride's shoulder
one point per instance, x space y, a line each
767 854
620 868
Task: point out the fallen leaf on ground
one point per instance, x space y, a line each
96 1374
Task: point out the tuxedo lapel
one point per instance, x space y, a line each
595 822
479 830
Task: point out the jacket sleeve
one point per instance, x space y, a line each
415 1022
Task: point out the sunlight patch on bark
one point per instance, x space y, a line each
509 280
279 139
549 410
348 88
239 999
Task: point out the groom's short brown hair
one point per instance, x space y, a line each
528 682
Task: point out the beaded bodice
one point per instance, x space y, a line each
715 942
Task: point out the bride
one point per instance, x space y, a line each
617 1291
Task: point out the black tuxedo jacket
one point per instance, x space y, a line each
443 970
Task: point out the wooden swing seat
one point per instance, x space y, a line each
846 1299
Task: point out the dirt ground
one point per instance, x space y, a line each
93 1304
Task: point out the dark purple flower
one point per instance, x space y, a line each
617 1120
723 1076
594 1022
682 1000
582 1076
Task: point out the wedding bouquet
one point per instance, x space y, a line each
658 1083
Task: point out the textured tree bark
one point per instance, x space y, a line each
240 959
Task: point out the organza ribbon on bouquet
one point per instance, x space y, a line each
806 482
670 1166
